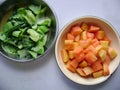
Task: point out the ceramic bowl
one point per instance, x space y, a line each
115 43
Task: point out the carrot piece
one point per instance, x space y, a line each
77 38
70 67
90 49
90 35
106 69
93 28
74 63
70 36
76 30
77 51
80 57
100 34
90 57
95 42
107 59
96 66
84 43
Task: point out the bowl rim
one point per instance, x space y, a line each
67 25
48 49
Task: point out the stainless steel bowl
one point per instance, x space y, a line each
6 6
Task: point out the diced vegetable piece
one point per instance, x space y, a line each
98 48
71 54
87 70
77 51
102 54
96 66
83 64
90 49
84 26
90 57
84 43
106 70
107 39
105 44
76 30
75 44
112 52
70 67
69 44
93 28
77 38
100 34
70 36
84 35
107 59
65 56
98 74
90 35
80 57
80 72
95 42
74 63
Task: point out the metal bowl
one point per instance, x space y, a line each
9 4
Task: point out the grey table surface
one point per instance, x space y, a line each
45 74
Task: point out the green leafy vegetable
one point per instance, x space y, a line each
33 54
16 33
10 50
33 34
22 53
25 34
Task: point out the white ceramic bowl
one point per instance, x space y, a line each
111 33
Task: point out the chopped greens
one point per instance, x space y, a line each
25 34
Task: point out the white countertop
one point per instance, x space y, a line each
45 74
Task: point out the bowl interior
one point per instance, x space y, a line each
6 8
111 33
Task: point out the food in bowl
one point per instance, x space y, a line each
102 36
27 30
87 51
25 33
